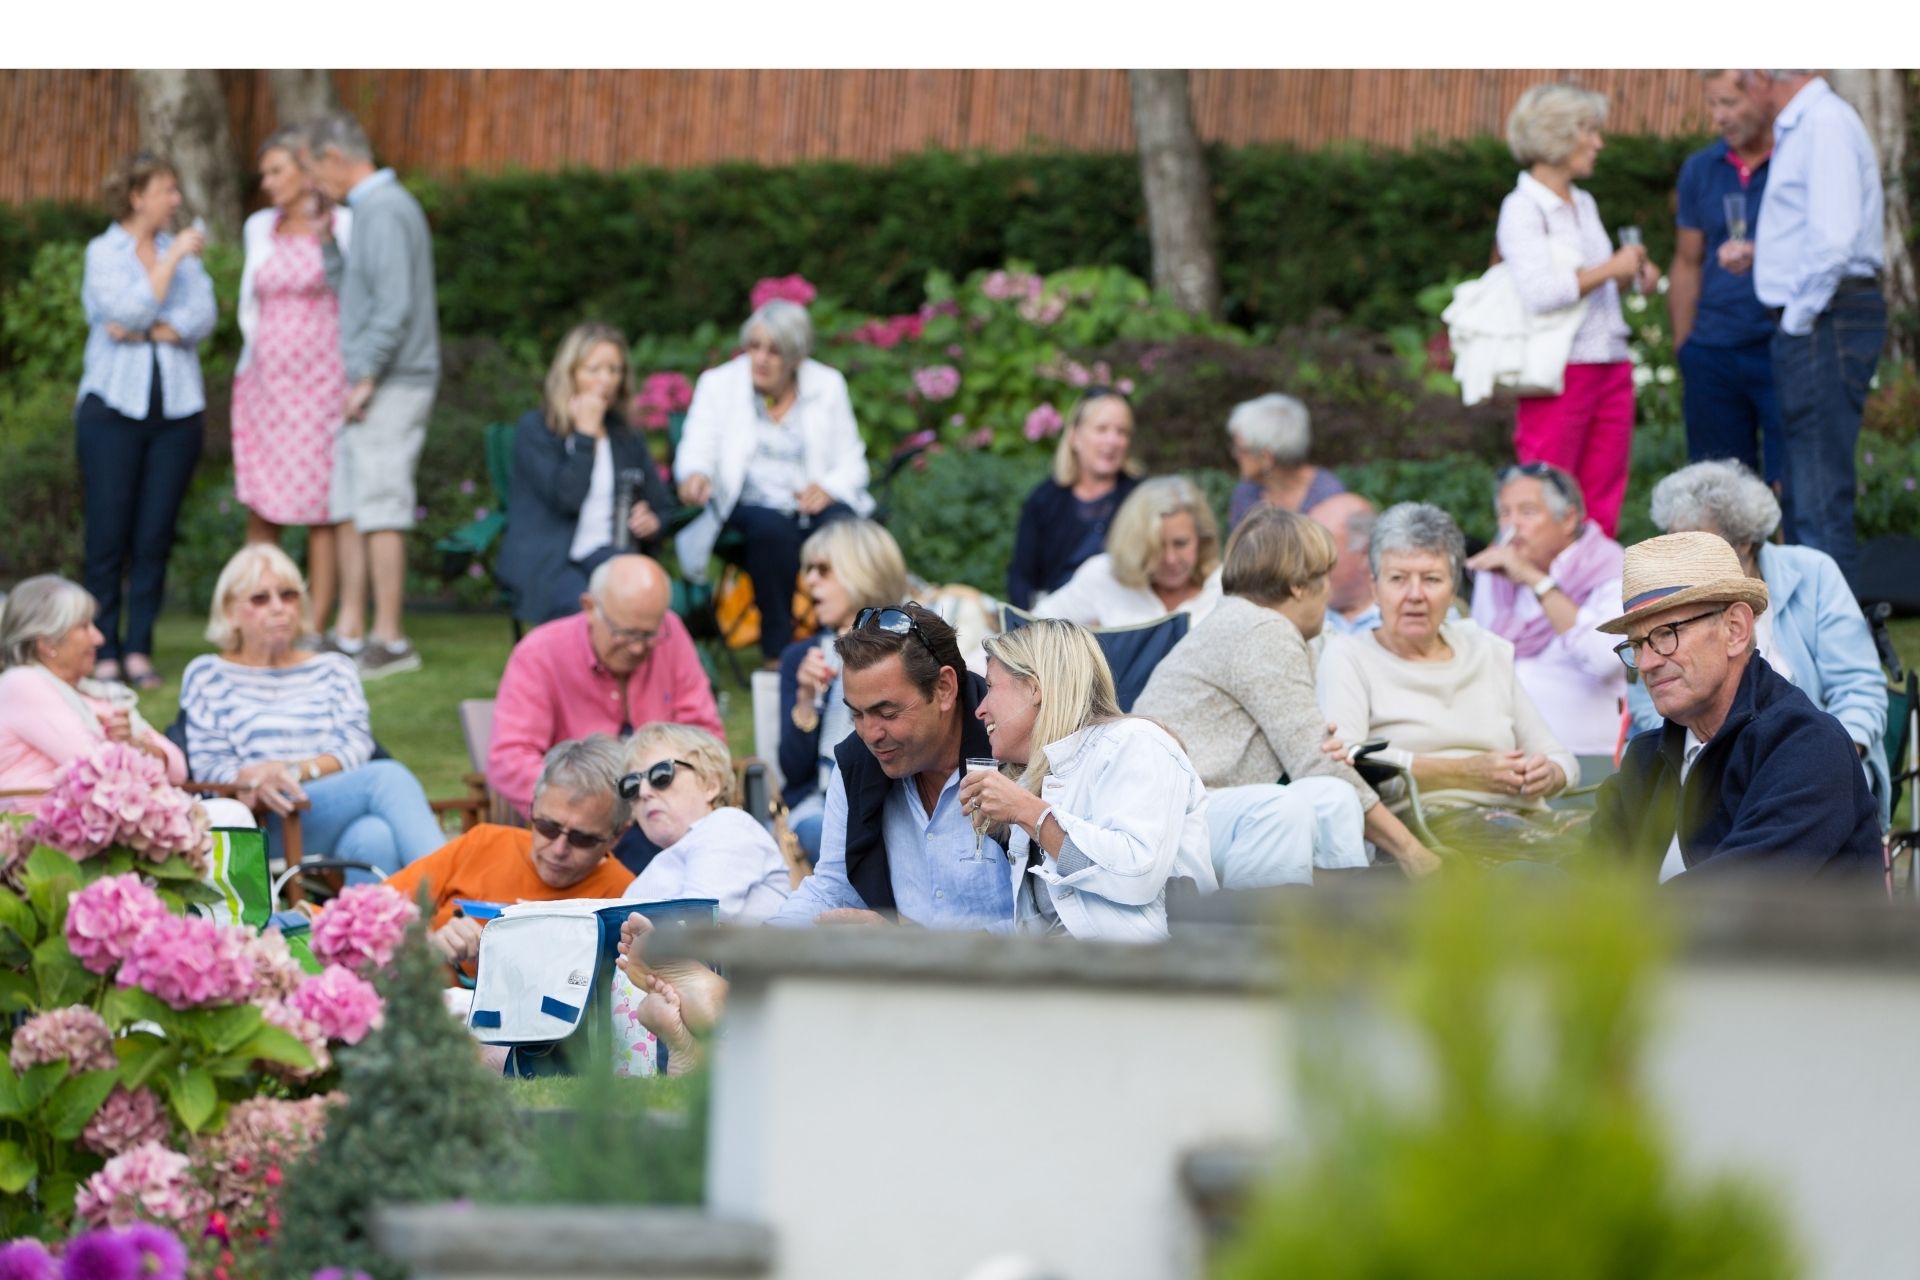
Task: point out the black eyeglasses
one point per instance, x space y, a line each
1663 640
895 622
659 776
548 829
1545 472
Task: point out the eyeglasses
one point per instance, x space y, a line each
624 635
1663 640
548 829
1545 472
658 775
895 622
820 567
286 595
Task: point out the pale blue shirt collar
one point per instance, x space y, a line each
1810 92
373 181
1338 624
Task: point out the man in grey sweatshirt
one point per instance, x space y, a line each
390 335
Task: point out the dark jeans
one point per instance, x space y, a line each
1727 397
772 560
1821 380
564 600
133 477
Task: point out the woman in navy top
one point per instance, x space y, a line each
141 410
1064 521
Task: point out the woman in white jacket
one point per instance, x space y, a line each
1108 807
771 450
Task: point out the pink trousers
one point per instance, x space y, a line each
1587 431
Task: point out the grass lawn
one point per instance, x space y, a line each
417 716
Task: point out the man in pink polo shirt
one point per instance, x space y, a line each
623 661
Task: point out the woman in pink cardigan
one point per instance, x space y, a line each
50 710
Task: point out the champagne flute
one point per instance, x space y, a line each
980 764
1631 235
1734 205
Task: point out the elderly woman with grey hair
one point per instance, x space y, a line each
770 450
1444 693
1559 256
1271 439
1813 632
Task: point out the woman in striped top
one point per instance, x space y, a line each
289 725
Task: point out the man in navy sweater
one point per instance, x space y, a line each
1746 774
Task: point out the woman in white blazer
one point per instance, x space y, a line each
1107 809
770 449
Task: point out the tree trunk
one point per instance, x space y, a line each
183 117
1179 195
1880 96
300 96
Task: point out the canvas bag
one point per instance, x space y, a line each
237 870
1498 341
545 971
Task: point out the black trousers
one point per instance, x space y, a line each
134 475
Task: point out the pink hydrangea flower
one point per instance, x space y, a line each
278 1013
1041 310
890 332
127 1119
1124 386
937 382
344 1005
189 961
75 1033
660 397
1043 422
981 439
148 1182
105 918
261 1134
362 927
1004 286
790 288
275 972
117 795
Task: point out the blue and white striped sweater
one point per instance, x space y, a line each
238 715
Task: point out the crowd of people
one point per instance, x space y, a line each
1701 704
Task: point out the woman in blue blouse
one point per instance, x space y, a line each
1064 520
141 410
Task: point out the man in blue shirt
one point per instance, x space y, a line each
1817 255
1721 333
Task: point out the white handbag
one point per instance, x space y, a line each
1498 341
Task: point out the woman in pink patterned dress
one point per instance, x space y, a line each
291 384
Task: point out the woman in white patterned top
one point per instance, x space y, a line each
1557 251
289 725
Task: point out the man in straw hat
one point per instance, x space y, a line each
1746 773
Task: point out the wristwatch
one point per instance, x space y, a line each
311 769
1543 586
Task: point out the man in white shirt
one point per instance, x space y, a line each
1817 255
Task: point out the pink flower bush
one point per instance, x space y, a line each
344 1005
790 288
981 439
937 382
660 397
1043 422
14 848
117 795
275 972
278 1013
261 1135
127 1119
362 927
1005 286
890 332
1042 310
75 1033
189 961
105 918
149 1182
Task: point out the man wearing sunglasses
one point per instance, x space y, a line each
578 814
1745 774
894 842
623 661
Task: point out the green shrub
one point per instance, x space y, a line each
955 518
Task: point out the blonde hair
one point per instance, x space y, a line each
1063 662
1275 553
574 350
129 178
1066 466
1544 126
1133 541
866 559
250 566
706 753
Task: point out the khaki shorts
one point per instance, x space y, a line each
374 460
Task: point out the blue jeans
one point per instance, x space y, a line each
1267 834
376 814
1731 412
771 558
1821 380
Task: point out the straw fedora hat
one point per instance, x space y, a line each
1683 568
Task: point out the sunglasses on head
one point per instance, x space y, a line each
659 776
1544 472
548 829
893 621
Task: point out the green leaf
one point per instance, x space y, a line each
10 1104
48 863
123 1005
63 979
17 1168
16 915
194 1098
141 1055
36 1083
175 868
274 1044
74 1102
16 991
223 1030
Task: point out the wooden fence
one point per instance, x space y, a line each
67 127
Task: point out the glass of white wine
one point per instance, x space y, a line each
1734 204
1630 235
980 764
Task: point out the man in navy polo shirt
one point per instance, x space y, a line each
1721 331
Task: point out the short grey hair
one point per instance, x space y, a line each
788 327
1544 126
1721 497
1416 527
589 766
1559 489
342 133
42 608
289 138
1273 423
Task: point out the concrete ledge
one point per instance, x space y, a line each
482 1242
